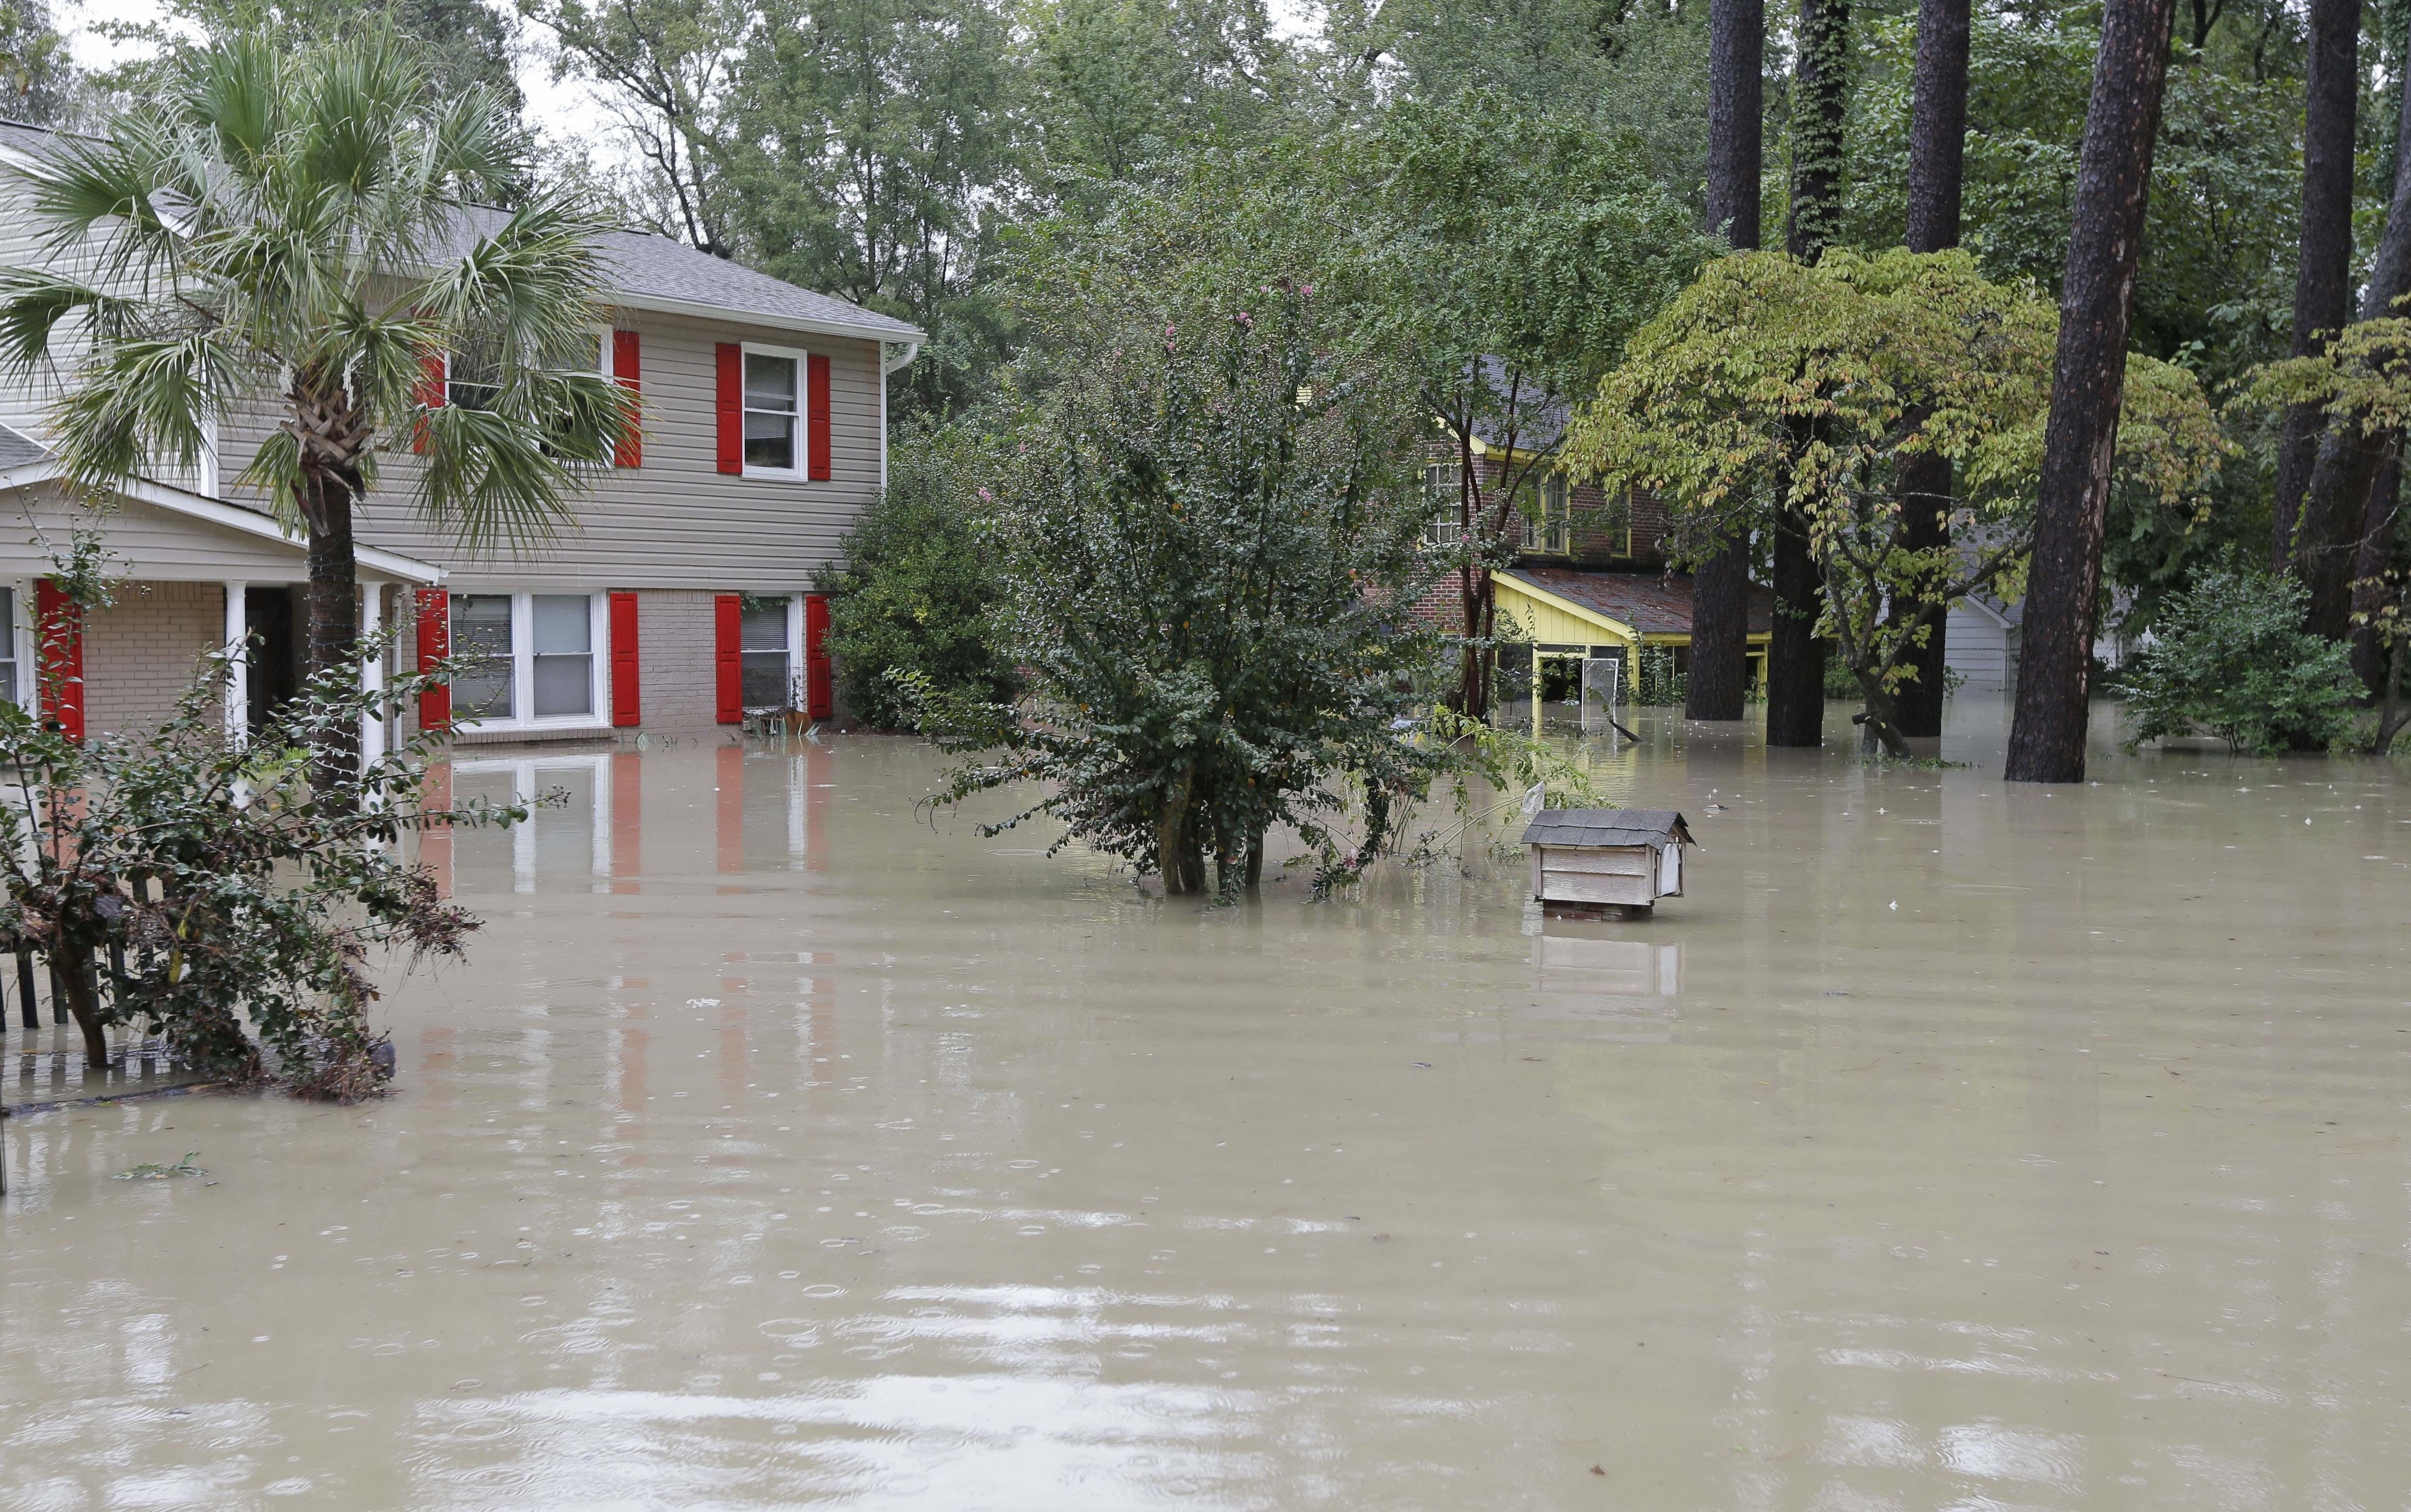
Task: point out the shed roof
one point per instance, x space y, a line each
1653 603
1658 827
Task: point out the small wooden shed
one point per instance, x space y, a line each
1596 858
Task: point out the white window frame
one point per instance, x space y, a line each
602 368
1551 532
21 639
598 620
803 416
1446 531
527 775
795 650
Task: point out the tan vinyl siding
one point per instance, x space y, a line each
145 541
675 522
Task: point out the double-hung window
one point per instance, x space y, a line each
1441 497
766 648
532 658
773 410
12 687
1548 527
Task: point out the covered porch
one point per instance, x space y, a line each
1569 615
193 577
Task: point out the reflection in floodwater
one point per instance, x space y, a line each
1945 1145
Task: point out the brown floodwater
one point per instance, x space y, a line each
1949 1146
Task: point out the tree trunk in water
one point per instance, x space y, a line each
1736 137
75 977
2343 483
1795 663
2390 713
1795 658
1938 143
2369 587
334 634
2113 183
1719 674
1736 124
2322 285
1178 855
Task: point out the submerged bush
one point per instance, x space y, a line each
2229 658
914 596
204 888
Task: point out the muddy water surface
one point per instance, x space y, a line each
1949 1145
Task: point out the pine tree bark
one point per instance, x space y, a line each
1719 668
2344 492
1736 119
2369 593
1795 658
2322 289
1938 146
2113 181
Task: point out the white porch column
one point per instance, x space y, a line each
238 686
373 675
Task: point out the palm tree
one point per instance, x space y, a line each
297 232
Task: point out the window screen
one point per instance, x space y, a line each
564 655
769 410
764 647
481 631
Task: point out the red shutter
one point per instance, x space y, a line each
61 622
623 660
817 415
820 690
626 372
727 656
434 644
428 392
732 406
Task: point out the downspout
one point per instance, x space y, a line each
890 364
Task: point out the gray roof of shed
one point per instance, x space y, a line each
1658 827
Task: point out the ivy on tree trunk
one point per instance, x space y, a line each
1938 141
2322 283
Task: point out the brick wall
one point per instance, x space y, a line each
139 654
677 679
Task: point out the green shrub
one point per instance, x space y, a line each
2230 659
917 587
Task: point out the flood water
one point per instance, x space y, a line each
1949 1145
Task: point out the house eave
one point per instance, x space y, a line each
724 315
391 564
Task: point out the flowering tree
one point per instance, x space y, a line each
1770 384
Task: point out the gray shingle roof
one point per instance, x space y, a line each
1658 827
647 271
17 449
650 269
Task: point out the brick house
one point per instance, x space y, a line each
1589 577
678 601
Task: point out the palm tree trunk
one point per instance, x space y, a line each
1938 143
2323 287
335 629
2114 184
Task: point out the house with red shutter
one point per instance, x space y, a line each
679 600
